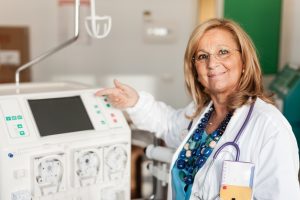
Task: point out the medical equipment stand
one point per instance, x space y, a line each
94 31
162 157
53 50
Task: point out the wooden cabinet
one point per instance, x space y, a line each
14 52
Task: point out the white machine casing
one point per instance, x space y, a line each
38 163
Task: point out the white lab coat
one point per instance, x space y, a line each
267 141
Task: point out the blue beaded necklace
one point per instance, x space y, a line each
195 153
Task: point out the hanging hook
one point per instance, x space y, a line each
99 26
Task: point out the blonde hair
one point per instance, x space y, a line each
250 83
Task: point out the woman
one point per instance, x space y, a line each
223 76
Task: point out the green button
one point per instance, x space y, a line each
22 133
20 126
8 118
108 105
95 106
14 117
98 111
102 122
19 117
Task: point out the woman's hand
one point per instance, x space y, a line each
121 96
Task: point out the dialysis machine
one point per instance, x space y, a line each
286 85
60 142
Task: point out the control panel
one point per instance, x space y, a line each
13 118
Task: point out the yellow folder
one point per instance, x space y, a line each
231 192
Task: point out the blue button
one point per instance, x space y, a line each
14 117
20 126
11 155
22 132
8 118
19 117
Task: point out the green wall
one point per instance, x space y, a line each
261 20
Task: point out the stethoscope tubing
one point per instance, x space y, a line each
238 135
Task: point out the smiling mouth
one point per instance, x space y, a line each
215 74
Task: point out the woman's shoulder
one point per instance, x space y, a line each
263 106
270 116
270 125
267 110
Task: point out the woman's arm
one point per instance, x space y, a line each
149 114
278 165
159 118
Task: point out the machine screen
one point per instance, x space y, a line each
60 115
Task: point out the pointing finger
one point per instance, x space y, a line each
119 85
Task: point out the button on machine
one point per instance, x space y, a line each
13 118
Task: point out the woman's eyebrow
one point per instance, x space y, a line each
201 50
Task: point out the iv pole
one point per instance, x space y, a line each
53 50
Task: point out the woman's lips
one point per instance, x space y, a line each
213 75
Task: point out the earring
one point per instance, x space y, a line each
243 71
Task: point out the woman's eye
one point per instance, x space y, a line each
202 57
223 52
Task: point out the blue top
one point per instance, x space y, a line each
178 192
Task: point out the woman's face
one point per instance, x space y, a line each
218 62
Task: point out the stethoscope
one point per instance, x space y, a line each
238 135
233 144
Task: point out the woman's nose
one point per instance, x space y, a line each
212 62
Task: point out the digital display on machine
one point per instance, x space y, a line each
60 115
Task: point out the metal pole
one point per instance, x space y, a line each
53 50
